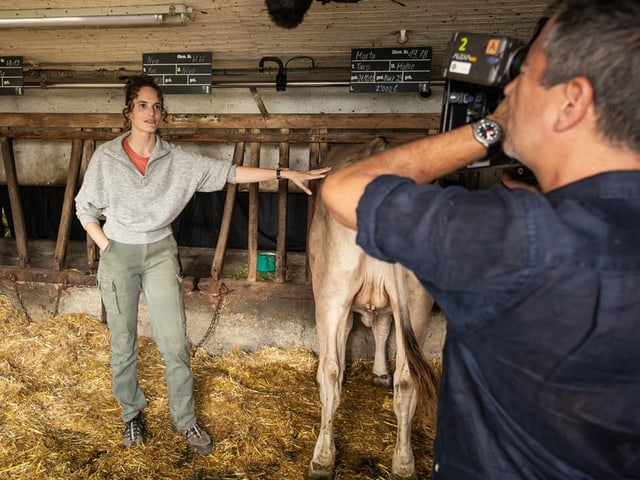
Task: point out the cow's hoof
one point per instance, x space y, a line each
384 381
411 476
320 472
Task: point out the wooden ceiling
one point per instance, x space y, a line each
240 32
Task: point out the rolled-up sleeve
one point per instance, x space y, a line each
476 244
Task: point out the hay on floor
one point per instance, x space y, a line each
59 419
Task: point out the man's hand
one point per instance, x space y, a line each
511 183
501 113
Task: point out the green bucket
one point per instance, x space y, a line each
266 262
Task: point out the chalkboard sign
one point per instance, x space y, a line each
188 72
390 70
11 76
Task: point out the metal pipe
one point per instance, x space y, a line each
215 84
65 78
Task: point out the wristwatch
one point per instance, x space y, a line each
489 133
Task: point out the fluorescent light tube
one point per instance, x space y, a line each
150 15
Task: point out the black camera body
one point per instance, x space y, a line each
476 68
482 59
464 103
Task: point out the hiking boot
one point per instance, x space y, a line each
198 439
134 431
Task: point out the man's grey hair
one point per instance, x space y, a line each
600 40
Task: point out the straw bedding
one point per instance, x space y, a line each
58 419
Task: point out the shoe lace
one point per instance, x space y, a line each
194 431
133 429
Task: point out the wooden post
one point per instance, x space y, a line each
227 214
317 151
67 204
17 213
92 248
283 202
252 241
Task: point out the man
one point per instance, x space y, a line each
541 365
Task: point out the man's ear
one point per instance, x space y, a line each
578 102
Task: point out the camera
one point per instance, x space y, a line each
464 103
476 68
482 59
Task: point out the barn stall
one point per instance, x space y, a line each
237 312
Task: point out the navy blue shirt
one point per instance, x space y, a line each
541 363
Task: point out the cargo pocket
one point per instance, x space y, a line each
109 294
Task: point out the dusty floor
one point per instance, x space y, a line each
58 419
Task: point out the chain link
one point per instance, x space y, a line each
222 291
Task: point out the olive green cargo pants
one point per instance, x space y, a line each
124 271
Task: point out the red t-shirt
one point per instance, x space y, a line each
138 160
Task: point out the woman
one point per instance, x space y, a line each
139 183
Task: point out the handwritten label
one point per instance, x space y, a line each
180 72
390 70
11 76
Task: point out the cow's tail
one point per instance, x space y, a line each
424 374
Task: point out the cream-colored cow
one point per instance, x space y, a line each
346 280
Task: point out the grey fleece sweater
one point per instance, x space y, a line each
140 208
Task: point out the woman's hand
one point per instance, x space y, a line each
94 230
299 177
302 177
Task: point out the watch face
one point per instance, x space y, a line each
488 131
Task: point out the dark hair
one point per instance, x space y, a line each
287 13
132 88
600 40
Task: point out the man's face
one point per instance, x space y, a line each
146 112
527 99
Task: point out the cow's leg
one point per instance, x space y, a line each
381 327
413 301
404 406
333 323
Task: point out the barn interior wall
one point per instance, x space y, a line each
46 163
241 323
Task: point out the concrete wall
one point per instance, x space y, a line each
249 318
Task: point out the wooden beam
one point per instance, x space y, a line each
223 136
227 214
337 121
64 229
252 234
17 212
92 248
283 202
315 152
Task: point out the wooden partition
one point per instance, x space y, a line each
242 131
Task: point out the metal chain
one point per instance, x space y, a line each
222 291
14 284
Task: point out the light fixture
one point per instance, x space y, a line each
139 15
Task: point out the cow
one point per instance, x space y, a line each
345 280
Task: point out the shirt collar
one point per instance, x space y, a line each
622 184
